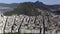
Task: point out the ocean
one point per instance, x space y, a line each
3 11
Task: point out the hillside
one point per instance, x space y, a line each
24 8
27 8
30 8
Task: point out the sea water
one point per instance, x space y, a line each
3 11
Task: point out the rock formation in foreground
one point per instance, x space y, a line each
30 24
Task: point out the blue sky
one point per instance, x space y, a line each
19 1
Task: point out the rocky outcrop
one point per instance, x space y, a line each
22 23
45 22
25 24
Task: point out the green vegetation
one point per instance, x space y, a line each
24 8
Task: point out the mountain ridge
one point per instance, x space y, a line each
26 7
37 2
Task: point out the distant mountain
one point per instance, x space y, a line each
51 7
36 4
57 12
9 5
30 8
25 8
40 5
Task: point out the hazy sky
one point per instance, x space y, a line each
19 1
